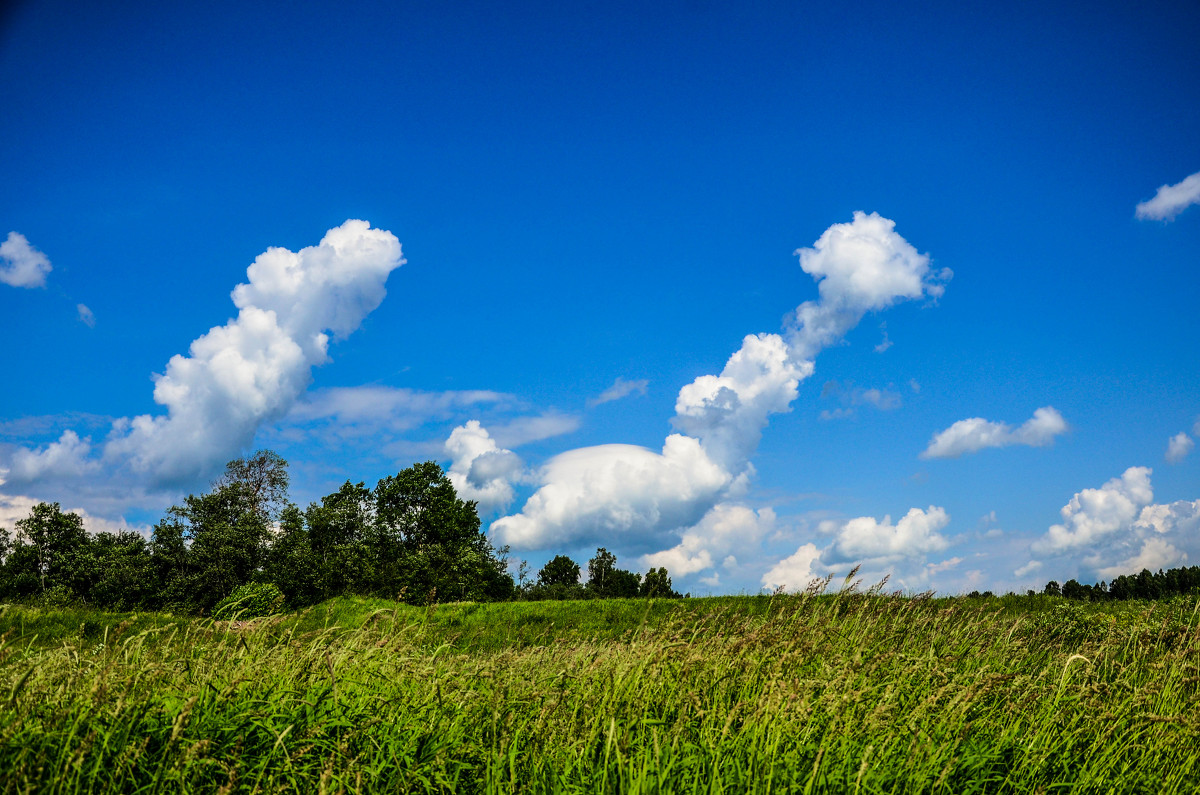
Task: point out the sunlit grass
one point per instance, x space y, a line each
837 693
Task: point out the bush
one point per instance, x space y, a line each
250 601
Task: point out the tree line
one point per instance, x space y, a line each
409 538
1143 585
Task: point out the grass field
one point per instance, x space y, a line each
835 693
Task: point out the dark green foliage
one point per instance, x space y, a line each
265 479
606 581
1143 585
251 600
657 585
124 572
227 542
559 570
56 541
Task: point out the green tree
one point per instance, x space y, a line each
427 543
343 540
265 476
124 573
559 570
292 565
606 581
227 540
657 585
56 541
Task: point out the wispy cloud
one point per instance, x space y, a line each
851 396
86 316
619 389
1171 200
1178 447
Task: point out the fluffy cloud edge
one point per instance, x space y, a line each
22 265
976 433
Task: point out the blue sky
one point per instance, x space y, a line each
605 200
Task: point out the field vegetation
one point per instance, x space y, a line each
836 692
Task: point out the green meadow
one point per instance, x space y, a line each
846 692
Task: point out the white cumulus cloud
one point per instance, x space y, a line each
249 371
860 267
899 551
725 530
1119 529
794 572
65 458
22 265
867 540
86 316
1093 514
1178 447
480 469
974 434
616 491
1171 200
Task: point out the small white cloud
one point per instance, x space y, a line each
65 458
370 410
1171 200
913 385
1028 568
22 265
620 388
86 316
975 434
523 430
1178 448
885 343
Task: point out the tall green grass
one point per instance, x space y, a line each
842 693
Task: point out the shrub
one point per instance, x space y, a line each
250 601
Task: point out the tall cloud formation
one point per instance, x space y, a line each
650 499
1119 529
975 434
247 372
1171 200
22 265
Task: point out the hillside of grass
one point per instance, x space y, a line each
837 693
